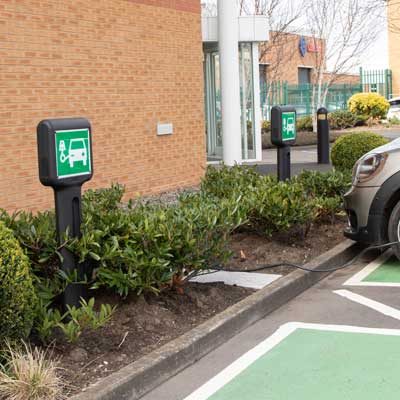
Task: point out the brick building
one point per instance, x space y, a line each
126 65
131 67
292 58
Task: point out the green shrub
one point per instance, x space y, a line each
325 191
325 184
368 105
343 119
349 148
305 123
226 182
17 296
144 247
279 207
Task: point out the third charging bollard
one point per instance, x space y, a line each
323 136
65 163
283 135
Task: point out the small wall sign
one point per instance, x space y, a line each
303 46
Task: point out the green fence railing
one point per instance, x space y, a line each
377 81
300 96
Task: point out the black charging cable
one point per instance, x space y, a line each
216 268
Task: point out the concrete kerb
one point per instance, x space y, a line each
143 375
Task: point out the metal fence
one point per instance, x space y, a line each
300 96
377 81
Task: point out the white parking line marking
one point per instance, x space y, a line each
357 279
365 301
243 362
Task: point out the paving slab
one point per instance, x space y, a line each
250 280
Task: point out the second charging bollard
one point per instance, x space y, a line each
283 135
323 136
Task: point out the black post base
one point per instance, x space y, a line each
69 219
284 172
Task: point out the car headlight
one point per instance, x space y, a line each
367 167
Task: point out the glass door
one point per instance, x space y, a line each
247 101
213 105
212 92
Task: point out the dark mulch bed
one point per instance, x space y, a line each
252 250
140 325
143 324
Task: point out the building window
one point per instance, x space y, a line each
304 76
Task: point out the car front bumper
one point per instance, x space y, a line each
363 226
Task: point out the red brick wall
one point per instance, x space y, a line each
283 56
123 64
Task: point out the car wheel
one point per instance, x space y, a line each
394 229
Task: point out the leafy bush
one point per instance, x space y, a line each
349 148
17 296
73 322
343 119
325 191
369 105
144 247
328 184
279 207
304 123
226 181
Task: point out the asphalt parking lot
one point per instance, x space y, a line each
339 339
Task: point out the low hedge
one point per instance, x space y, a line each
17 296
143 247
350 147
343 119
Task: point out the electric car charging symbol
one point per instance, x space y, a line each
77 151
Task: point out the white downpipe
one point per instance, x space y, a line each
257 103
228 31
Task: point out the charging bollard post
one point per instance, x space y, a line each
283 135
65 163
323 136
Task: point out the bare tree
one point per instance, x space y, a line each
209 8
284 20
348 28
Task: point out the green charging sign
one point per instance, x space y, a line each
72 153
288 126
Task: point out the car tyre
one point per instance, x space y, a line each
394 229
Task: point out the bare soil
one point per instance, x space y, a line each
143 324
251 250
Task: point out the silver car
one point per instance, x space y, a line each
373 202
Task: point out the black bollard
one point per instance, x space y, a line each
65 163
283 135
323 136
284 170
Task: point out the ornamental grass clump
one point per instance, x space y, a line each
30 374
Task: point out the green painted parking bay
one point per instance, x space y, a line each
312 361
384 271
